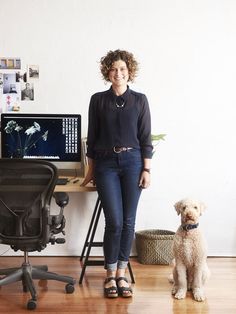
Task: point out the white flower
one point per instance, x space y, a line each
45 136
37 126
11 125
30 130
18 128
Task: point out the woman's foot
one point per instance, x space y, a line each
123 287
110 287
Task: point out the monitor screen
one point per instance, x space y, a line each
53 137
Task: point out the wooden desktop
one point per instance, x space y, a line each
74 185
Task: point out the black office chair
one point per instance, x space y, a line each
26 190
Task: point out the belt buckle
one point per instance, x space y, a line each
118 150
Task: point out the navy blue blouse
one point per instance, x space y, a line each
119 121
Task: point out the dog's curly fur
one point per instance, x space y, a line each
190 271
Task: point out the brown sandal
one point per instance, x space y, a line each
111 292
125 292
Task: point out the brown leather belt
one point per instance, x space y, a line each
118 150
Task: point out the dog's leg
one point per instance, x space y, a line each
182 280
175 281
205 274
198 292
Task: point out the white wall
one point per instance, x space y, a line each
186 51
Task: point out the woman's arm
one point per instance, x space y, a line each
90 173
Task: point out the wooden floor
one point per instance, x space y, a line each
152 291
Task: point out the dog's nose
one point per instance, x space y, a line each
189 216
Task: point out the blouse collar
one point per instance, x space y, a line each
123 96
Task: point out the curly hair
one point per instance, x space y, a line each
107 61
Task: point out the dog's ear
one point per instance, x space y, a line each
177 207
202 207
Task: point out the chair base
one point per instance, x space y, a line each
27 273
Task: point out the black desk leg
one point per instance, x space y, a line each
87 241
131 273
90 243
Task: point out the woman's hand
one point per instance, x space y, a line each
145 180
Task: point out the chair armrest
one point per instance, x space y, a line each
61 198
57 222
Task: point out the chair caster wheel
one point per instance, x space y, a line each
31 305
70 288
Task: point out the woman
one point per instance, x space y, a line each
119 152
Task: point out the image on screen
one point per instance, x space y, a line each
41 136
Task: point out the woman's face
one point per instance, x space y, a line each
119 74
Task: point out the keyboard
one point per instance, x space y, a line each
62 181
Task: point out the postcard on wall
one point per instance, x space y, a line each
10 102
33 71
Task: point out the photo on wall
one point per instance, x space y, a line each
33 71
1 82
3 63
21 77
10 64
10 86
27 91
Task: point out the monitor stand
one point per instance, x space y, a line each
68 172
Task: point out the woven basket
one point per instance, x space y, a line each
154 246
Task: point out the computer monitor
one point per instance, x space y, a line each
53 137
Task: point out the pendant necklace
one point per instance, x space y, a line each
120 103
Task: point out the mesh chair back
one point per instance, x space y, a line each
26 188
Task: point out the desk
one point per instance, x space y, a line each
75 187
89 241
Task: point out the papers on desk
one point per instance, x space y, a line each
84 151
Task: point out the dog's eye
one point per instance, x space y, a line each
184 207
195 207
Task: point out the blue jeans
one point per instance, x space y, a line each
117 180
